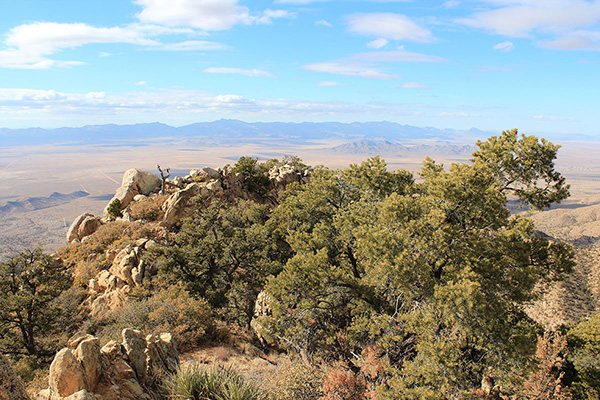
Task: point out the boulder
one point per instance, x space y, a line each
88 226
66 375
262 308
110 300
11 387
88 355
161 353
84 371
134 343
81 395
83 226
283 175
177 206
124 263
205 173
134 182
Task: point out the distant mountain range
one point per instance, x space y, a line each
38 203
395 148
226 131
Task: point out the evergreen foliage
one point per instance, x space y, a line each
436 273
254 173
30 284
114 209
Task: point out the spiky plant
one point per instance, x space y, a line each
214 383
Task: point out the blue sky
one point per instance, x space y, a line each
489 64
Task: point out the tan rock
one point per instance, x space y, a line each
177 206
66 375
73 232
124 262
88 355
110 300
81 395
89 225
134 343
134 182
161 353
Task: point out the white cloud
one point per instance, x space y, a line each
27 105
209 15
349 69
31 46
454 115
141 83
577 40
302 2
254 73
329 83
397 56
504 46
451 4
377 43
414 85
323 23
388 26
551 118
192 45
520 18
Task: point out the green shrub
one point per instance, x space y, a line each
254 173
215 383
296 381
173 310
114 209
148 209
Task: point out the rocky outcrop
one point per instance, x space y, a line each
83 226
177 206
11 387
262 308
123 371
109 289
283 175
134 182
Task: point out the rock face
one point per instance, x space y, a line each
285 174
262 308
177 207
134 182
109 289
83 226
11 387
123 371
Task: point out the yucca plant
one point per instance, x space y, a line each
215 383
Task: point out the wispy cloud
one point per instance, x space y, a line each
521 18
322 22
553 118
377 43
397 56
254 73
414 85
32 46
175 104
577 40
388 26
504 46
349 69
329 83
216 15
454 115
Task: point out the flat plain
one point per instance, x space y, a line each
84 177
